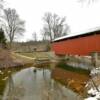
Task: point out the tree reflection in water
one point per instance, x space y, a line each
36 84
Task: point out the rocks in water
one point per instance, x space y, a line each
34 70
1 73
9 71
5 78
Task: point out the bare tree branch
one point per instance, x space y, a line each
15 26
87 1
34 35
54 26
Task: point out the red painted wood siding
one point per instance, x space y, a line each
78 46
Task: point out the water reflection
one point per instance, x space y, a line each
36 84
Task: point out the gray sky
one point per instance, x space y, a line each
79 17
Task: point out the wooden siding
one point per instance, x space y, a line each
78 46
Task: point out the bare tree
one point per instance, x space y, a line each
34 35
1 9
87 1
59 27
1 4
54 26
44 34
48 25
14 26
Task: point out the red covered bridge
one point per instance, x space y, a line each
81 44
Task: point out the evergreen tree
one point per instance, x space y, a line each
2 38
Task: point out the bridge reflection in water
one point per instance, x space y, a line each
36 84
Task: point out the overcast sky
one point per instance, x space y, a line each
79 16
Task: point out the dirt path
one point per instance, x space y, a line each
16 54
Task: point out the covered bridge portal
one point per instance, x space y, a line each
82 44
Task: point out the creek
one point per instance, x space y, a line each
36 84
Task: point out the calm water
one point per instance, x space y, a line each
36 84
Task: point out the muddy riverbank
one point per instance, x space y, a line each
72 80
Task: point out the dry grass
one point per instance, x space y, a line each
6 59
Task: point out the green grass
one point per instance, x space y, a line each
63 65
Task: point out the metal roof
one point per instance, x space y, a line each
71 35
